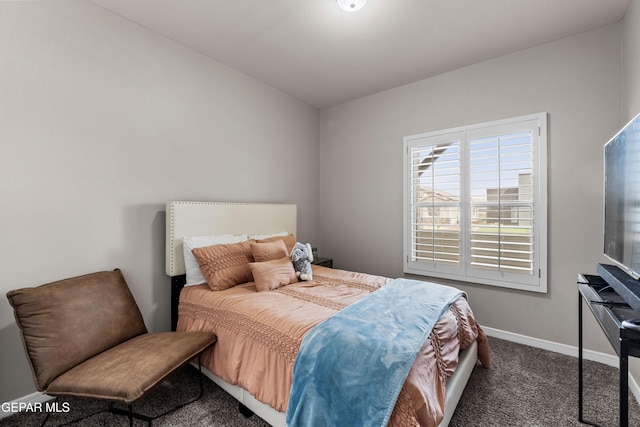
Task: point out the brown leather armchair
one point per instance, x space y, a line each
85 337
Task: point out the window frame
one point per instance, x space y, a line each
535 282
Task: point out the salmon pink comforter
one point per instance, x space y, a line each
259 334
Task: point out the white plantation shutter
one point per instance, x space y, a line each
435 173
475 203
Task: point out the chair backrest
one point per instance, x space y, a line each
67 322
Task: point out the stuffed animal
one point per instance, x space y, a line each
302 258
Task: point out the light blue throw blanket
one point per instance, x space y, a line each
351 367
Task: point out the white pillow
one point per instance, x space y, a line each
266 236
194 275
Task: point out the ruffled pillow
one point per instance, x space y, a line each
270 275
289 241
269 251
225 266
192 269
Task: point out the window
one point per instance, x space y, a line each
475 201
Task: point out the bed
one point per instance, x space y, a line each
258 373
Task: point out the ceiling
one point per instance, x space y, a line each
324 56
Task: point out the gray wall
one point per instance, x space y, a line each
102 122
577 80
631 62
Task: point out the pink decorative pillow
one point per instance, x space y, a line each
270 275
289 241
269 251
225 266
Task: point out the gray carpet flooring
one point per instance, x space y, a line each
531 387
524 387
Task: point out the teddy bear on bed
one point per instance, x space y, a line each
302 257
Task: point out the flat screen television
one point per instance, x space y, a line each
622 198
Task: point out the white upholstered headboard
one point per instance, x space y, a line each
209 218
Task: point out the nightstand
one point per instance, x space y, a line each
323 262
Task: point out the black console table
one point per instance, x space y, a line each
609 309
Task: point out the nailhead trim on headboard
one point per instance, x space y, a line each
193 218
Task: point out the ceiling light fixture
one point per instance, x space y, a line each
351 5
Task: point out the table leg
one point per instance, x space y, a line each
580 385
624 383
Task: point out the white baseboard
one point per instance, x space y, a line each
25 401
568 350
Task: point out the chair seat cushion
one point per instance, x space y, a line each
127 371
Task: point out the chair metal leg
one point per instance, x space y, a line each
149 419
129 411
46 418
74 420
